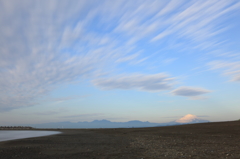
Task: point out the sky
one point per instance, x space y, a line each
122 60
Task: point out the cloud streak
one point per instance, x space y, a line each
151 83
192 92
229 68
83 115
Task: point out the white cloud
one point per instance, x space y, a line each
44 43
161 35
154 82
196 21
41 47
128 58
169 7
229 68
191 92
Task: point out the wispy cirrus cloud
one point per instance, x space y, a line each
229 68
44 43
196 21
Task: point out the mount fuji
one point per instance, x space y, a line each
187 119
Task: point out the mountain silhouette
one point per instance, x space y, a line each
187 119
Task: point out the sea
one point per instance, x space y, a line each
6 135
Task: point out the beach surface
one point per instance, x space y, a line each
208 140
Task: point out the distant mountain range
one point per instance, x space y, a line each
187 119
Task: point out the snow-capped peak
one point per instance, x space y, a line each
187 119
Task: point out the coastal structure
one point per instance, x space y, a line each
15 127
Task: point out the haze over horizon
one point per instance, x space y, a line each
85 60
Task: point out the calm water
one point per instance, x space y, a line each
18 134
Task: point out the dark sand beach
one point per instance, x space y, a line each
208 140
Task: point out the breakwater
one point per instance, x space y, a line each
15 128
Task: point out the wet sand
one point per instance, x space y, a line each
209 140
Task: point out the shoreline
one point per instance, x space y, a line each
7 135
208 140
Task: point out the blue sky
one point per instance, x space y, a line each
119 60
